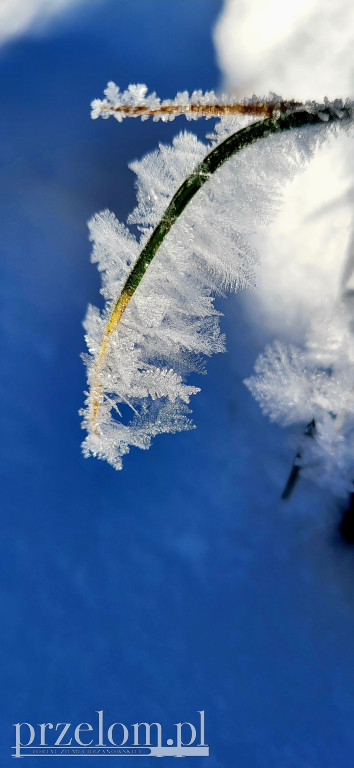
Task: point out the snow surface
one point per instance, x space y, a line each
18 17
183 582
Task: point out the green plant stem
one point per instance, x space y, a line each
214 160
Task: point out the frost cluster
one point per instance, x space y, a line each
138 96
315 383
139 388
135 101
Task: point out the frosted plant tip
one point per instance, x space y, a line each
135 101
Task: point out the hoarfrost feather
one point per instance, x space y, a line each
171 324
297 385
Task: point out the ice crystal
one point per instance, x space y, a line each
137 373
317 382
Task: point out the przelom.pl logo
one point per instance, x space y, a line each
139 739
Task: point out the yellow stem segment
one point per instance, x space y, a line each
114 320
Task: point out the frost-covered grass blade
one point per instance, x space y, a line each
160 320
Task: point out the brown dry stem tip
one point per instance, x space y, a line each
265 109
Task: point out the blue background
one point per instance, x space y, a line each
181 583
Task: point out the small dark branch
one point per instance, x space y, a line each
292 479
296 468
346 525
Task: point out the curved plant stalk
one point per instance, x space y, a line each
295 117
